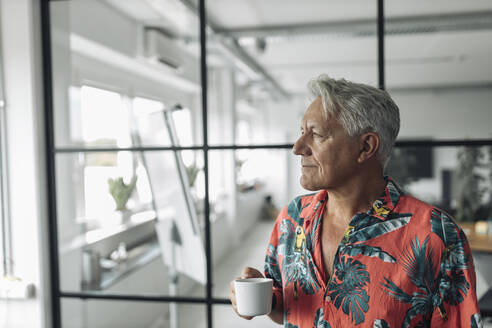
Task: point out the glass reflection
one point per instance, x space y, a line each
148 51
437 68
247 193
456 179
226 317
125 217
259 65
126 314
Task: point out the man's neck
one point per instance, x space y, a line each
357 195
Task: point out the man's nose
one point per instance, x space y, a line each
300 147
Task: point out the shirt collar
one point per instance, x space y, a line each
381 207
387 201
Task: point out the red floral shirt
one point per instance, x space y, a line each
403 263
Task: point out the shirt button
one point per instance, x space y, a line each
328 298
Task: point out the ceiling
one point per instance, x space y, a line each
429 43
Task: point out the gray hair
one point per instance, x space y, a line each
359 108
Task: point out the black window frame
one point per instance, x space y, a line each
52 151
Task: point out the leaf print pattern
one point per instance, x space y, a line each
380 323
379 229
371 251
363 220
444 227
289 325
286 322
476 321
394 191
453 239
297 265
348 292
419 266
453 286
272 269
313 235
352 272
319 322
295 208
368 227
433 274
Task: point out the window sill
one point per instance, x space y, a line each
93 237
138 257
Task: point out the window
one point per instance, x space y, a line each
148 60
100 119
114 185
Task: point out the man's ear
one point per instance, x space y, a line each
369 146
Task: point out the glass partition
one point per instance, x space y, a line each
228 318
437 68
259 65
102 314
127 223
247 194
456 179
132 164
137 66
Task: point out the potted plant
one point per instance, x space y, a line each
121 192
471 191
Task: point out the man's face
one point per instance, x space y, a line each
329 155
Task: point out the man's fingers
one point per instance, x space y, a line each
249 272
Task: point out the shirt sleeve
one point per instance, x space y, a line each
456 304
273 262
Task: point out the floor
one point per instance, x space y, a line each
250 253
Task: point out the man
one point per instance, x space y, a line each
360 252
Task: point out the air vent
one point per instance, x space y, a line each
162 49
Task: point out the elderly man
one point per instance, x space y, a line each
359 252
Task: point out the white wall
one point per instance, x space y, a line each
451 113
26 158
447 113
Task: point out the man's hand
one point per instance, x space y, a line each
247 273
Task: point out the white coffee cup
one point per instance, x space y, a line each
253 296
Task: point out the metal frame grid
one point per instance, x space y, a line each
51 151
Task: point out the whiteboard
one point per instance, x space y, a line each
172 200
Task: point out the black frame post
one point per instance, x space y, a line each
50 162
208 239
381 81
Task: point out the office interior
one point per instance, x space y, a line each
146 144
